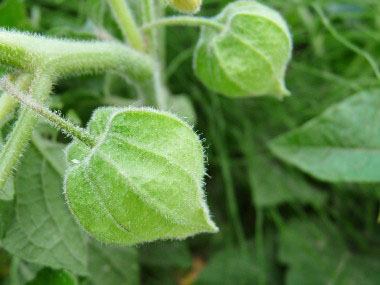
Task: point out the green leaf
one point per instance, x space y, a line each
112 265
6 216
49 276
7 193
340 145
13 13
44 231
142 181
317 254
275 184
230 266
166 254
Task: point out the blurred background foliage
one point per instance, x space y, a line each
278 225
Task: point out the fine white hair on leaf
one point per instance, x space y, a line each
135 144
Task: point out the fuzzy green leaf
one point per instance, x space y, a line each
141 182
112 265
248 57
44 231
341 145
317 254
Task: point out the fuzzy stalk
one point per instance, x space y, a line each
124 17
7 103
54 119
22 131
154 90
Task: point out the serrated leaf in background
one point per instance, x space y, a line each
44 231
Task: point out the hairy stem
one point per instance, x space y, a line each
7 103
124 17
154 91
161 34
148 14
65 58
183 21
21 133
53 118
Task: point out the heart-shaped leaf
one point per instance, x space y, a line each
141 182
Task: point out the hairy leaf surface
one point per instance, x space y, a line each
141 182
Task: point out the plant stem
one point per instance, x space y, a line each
21 133
154 91
367 56
161 35
64 58
148 13
14 271
7 103
53 118
124 17
184 21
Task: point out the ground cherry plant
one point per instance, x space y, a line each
136 174
73 197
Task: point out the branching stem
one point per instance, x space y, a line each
53 118
7 102
22 131
124 17
154 91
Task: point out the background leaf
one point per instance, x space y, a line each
317 254
230 266
44 231
275 184
341 145
112 265
53 277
